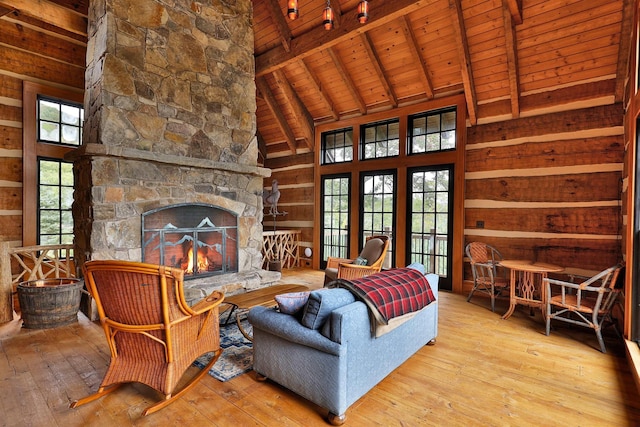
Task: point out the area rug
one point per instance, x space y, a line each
236 358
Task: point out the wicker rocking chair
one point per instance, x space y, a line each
153 335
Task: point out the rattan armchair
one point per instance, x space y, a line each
586 304
374 251
484 268
153 335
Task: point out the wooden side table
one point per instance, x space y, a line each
526 286
242 303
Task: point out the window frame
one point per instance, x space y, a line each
34 150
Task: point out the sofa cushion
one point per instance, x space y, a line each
321 303
292 302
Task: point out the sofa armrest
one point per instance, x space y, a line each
289 328
348 322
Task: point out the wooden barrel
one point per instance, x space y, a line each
49 303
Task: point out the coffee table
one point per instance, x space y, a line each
242 303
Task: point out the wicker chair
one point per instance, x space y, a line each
153 335
586 304
374 251
484 267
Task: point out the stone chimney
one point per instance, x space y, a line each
170 119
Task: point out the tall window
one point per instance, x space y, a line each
431 196
381 139
335 219
53 120
377 192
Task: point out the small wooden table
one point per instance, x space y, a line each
242 303
526 285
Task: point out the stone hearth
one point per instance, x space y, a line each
170 119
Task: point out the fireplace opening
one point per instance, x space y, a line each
200 239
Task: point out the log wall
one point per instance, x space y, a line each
548 187
44 55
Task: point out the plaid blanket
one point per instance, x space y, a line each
391 293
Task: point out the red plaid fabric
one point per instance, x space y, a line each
392 293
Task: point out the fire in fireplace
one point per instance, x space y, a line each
198 238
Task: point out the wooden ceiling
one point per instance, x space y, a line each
510 58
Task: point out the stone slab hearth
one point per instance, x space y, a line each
229 284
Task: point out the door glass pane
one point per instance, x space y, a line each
335 217
378 208
430 213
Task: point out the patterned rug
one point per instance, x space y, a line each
236 358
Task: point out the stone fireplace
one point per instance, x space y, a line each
170 121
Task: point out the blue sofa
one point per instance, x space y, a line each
336 363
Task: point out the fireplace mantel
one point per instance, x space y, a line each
99 150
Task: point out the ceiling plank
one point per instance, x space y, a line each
624 49
313 79
512 59
465 60
319 39
50 13
348 81
268 97
514 8
301 113
412 42
281 24
382 76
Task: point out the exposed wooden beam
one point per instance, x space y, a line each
50 13
465 59
412 43
515 10
319 39
348 81
313 79
624 52
281 23
5 10
304 119
377 66
512 59
268 97
262 147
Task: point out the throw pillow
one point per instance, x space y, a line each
292 302
360 261
322 303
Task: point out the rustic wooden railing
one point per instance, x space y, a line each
281 245
21 264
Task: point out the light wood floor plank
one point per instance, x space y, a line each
482 371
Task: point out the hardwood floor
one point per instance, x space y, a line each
483 371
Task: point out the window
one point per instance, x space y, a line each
431 195
381 140
375 192
433 131
337 146
335 219
59 122
53 120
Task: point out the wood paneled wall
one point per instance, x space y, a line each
47 56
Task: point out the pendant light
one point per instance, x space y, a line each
292 10
327 16
363 11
